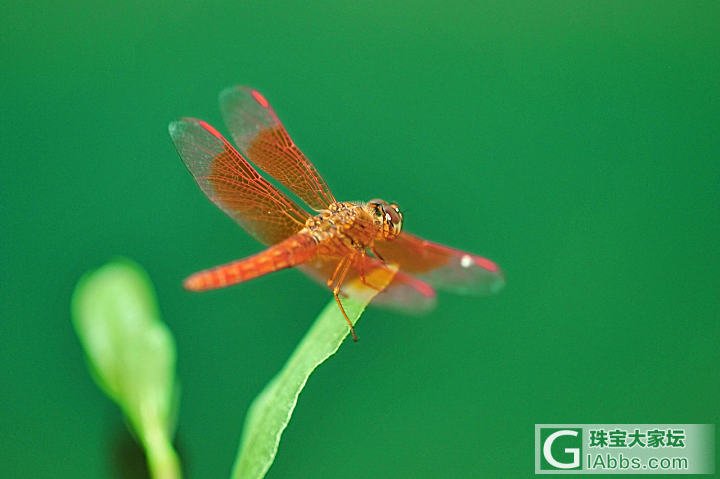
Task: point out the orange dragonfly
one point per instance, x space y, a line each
340 243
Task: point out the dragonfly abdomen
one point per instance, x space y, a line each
290 252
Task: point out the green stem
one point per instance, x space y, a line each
162 459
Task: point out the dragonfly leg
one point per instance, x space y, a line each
361 270
339 266
377 255
343 267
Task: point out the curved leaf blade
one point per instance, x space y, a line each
270 412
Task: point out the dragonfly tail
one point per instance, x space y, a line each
295 250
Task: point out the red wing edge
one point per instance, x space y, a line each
443 267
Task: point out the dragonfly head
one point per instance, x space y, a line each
388 217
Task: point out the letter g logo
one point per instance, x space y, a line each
575 451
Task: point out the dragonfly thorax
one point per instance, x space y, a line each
356 225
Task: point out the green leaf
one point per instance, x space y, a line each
270 412
131 355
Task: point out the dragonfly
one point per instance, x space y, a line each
339 244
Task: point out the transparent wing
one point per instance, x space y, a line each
443 267
233 185
404 293
260 135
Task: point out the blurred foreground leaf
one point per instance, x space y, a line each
270 412
131 355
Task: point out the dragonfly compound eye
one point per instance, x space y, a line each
394 219
378 207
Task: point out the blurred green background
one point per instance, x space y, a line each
575 143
